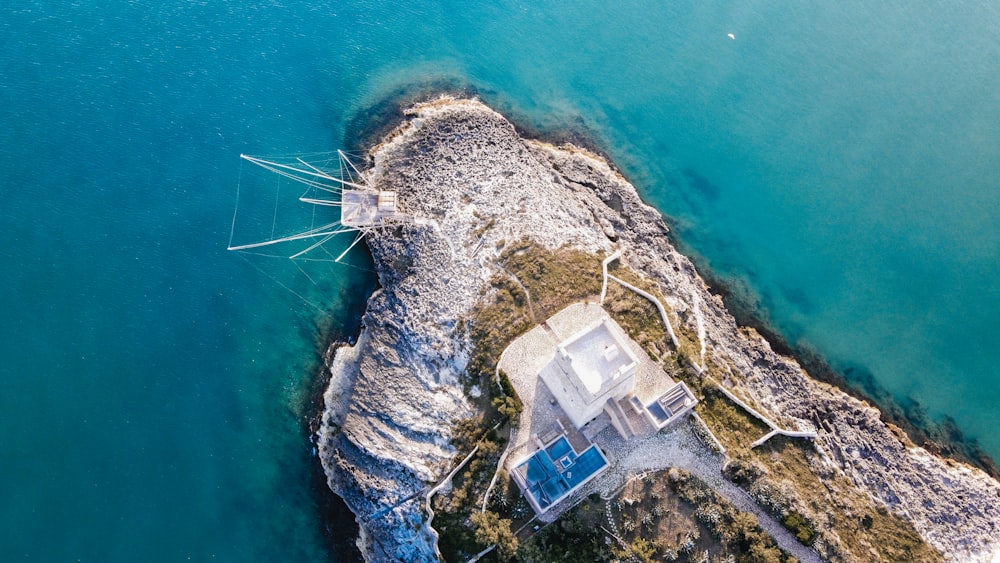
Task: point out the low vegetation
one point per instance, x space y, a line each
665 516
798 525
555 278
490 530
737 535
506 402
463 529
536 283
636 314
820 506
578 535
640 319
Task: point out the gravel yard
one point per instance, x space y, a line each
676 446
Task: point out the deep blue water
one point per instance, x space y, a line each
840 159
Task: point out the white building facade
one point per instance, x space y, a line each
591 367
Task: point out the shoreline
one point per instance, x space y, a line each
943 437
385 429
337 523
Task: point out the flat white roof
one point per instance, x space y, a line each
593 365
598 356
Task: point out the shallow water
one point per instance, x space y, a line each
839 159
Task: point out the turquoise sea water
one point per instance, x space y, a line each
840 159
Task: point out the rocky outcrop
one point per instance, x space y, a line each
471 184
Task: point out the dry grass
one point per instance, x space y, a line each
786 476
821 506
848 523
674 516
640 319
554 279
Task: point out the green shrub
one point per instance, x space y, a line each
798 525
490 529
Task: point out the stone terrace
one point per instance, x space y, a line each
543 418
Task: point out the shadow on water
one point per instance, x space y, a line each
942 436
368 126
364 129
336 520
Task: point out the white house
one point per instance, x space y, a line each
590 367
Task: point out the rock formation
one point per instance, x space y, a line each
471 184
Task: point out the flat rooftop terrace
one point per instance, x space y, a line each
530 353
598 355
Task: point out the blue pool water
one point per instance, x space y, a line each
551 473
838 160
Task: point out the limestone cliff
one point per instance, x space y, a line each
471 184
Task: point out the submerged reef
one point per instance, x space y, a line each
473 187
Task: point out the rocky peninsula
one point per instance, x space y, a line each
474 189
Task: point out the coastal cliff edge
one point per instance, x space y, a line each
472 186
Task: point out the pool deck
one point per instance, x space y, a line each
556 471
543 420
